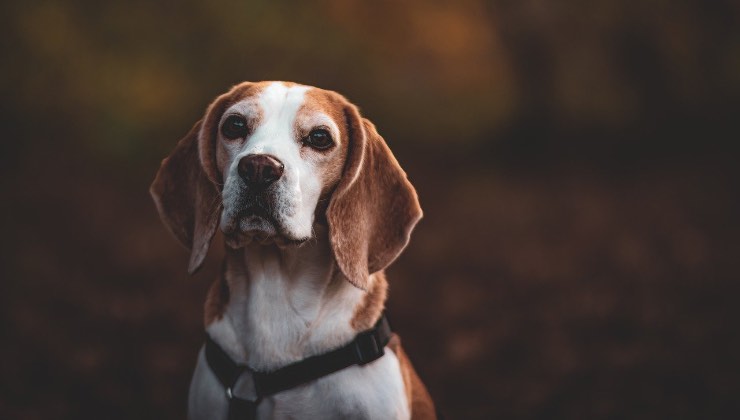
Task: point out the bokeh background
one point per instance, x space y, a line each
579 252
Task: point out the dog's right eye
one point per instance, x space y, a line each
235 127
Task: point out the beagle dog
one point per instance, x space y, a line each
313 207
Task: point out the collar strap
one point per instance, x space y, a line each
366 347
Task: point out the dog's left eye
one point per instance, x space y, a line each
235 127
319 139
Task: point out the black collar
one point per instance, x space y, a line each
365 348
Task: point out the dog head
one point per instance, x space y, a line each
270 160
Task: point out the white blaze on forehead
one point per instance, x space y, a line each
282 102
279 105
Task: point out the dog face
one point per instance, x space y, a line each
279 150
269 160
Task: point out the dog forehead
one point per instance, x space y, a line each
263 100
278 99
270 98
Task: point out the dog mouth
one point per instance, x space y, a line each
256 224
257 211
253 220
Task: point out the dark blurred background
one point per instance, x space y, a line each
576 162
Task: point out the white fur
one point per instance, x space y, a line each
288 303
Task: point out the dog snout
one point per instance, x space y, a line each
260 170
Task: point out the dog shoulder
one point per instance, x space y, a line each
420 402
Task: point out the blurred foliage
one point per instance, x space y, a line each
124 74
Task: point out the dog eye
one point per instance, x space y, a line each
234 127
319 139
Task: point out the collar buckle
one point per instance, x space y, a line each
367 347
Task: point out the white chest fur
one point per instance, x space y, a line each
285 305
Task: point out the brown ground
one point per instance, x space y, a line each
525 293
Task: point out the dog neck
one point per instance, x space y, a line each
280 305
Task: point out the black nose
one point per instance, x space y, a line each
260 170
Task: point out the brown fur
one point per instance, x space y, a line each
420 402
372 304
374 207
217 298
331 104
188 202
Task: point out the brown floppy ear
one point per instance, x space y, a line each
374 207
188 201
